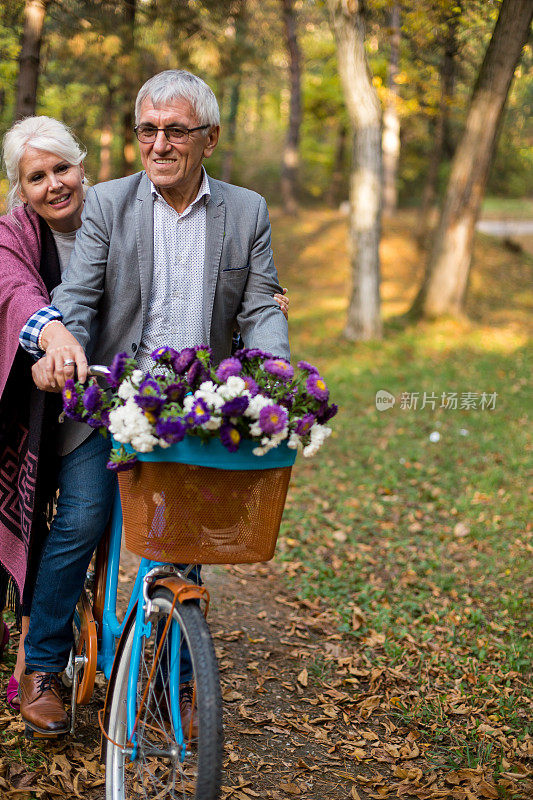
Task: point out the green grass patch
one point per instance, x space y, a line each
430 541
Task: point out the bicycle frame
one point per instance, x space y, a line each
112 628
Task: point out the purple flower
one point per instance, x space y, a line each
230 437
149 396
250 384
227 368
163 355
280 368
171 430
199 413
252 352
325 412
288 400
70 397
183 360
235 407
118 367
92 398
93 422
272 419
175 392
105 417
305 424
316 386
122 466
197 374
305 365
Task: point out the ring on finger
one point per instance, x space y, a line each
69 362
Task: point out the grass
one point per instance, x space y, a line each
429 540
507 208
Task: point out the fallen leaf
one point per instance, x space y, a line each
303 677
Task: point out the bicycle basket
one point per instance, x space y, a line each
190 513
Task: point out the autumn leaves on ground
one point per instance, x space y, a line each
385 653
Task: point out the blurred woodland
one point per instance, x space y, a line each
295 79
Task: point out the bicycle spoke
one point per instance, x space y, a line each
163 768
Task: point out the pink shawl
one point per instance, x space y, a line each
22 292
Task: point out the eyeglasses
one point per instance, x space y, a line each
148 133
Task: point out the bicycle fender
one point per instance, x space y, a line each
182 590
112 678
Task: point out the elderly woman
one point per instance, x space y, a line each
44 164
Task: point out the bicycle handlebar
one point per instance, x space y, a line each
98 371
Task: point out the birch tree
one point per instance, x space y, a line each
364 110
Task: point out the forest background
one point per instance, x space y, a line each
95 55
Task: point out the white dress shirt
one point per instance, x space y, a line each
175 309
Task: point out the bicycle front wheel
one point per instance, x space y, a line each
164 768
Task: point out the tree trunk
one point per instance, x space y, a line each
337 176
29 58
364 320
234 58
128 116
444 286
391 121
289 172
231 129
106 139
429 211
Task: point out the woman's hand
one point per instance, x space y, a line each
283 302
63 356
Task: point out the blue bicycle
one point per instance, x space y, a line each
162 734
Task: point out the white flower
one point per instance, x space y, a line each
137 377
255 430
233 387
208 386
295 441
126 390
129 426
256 404
188 403
213 423
318 435
212 399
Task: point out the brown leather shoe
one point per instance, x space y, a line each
41 705
189 715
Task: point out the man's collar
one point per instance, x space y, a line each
203 191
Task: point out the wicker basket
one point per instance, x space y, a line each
189 513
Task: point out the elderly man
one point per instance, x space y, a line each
165 256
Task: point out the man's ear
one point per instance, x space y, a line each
211 140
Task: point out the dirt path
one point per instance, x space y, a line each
304 716
291 728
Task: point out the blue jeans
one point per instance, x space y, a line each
86 492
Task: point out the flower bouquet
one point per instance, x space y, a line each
249 396
246 417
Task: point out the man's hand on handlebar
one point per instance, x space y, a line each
63 356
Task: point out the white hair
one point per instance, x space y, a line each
172 84
43 133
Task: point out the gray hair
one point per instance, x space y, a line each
172 84
43 133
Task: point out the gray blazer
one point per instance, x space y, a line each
104 292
